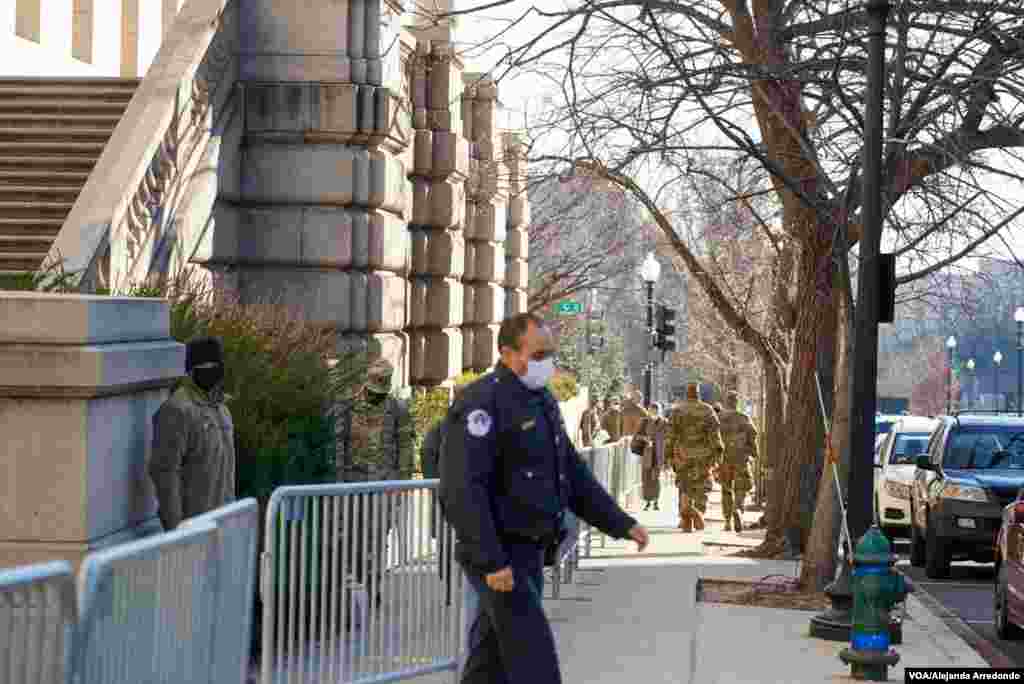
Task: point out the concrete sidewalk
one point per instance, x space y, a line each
634 617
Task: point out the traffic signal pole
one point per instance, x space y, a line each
648 370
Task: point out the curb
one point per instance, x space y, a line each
986 649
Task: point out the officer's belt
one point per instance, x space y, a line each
539 540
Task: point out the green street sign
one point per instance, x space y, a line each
569 307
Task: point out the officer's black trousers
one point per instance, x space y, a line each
511 641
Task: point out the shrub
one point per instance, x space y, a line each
51 278
277 377
428 406
564 386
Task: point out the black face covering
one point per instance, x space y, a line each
375 398
208 378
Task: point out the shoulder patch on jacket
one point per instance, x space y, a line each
479 423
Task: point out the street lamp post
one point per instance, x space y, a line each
1018 316
997 359
950 346
650 269
970 372
835 623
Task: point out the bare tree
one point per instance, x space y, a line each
579 230
648 85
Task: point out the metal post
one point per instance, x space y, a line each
999 404
865 381
650 339
1020 365
949 381
834 624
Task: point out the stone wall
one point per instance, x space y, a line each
374 191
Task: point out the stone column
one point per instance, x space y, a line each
439 173
517 241
80 380
323 170
486 190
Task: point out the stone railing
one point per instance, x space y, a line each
113 232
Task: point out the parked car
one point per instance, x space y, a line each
895 464
974 468
1009 583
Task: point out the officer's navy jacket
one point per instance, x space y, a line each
509 469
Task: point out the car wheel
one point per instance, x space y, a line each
916 547
936 555
1004 628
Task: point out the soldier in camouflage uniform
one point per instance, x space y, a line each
693 447
633 414
590 423
612 421
740 437
375 437
653 430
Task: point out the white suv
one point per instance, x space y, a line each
895 472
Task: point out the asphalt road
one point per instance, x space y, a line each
968 593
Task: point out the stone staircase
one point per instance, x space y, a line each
52 131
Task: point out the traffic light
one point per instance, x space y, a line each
665 329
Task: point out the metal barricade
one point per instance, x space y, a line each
358 584
37 618
147 610
238 534
565 556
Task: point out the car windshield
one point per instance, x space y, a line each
908 445
990 446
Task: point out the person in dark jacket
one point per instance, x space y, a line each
193 461
508 472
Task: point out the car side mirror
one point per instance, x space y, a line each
923 463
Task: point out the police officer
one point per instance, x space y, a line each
508 471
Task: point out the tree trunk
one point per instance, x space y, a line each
774 431
819 563
815 324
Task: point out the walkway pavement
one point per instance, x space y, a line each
632 617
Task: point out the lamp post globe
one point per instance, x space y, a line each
650 269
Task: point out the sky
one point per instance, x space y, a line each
523 95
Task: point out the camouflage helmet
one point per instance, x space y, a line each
378 376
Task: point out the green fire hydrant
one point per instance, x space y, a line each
876 589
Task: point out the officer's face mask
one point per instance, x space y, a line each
208 375
538 373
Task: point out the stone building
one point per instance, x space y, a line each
333 156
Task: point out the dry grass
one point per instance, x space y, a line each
748 593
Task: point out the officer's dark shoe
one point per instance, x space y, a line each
656 507
647 506
737 521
